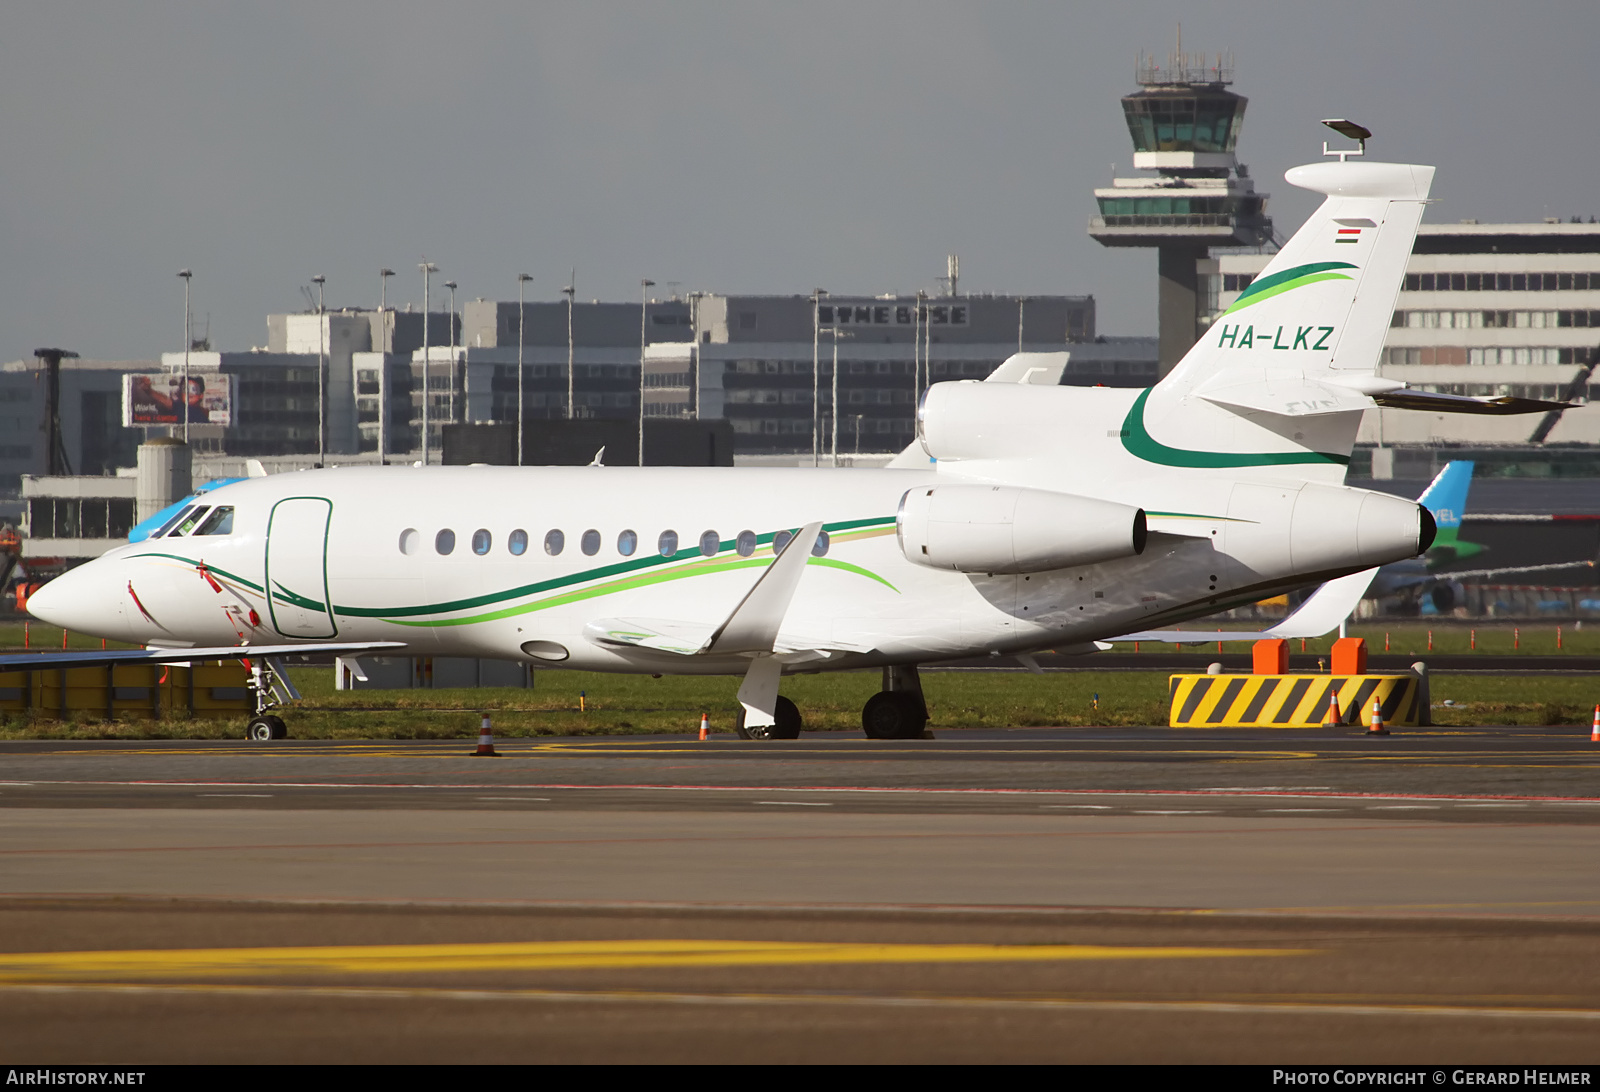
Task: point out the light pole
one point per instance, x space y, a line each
816 407
569 291
428 270
694 329
1020 301
186 275
522 318
322 373
644 285
916 347
452 286
833 424
385 346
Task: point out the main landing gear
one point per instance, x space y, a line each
787 726
896 712
270 688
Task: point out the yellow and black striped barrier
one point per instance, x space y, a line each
1290 701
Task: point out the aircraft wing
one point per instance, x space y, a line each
691 638
27 661
752 627
1324 610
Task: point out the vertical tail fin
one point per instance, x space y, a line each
1446 497
1277 377
1446 500
1323 303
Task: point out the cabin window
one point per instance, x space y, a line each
554 543
745 543
445 541
220 523
667 544
517 542
591 542
409 541
186 524
820 548
781 540
627 542
710 543
481 541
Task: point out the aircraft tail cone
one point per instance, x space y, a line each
485 741
1377 728
1594 733
705 723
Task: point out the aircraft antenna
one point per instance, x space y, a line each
1347 128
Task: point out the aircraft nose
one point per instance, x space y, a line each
81 599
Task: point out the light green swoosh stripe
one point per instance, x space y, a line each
1299 282
640 581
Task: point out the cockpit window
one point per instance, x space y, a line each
187 524
173 522
220 522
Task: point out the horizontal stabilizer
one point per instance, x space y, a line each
25 661
1293 396
1432 402
1285 396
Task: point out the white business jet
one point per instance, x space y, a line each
1027 517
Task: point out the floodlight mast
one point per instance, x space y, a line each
1347 128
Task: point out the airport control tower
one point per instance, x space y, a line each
1185 124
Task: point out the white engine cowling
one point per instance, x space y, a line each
1005 529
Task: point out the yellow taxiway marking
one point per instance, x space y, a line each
23 967
1375 1007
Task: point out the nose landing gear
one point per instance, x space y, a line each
271 689
264 727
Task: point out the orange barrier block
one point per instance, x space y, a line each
1270 657
1349 656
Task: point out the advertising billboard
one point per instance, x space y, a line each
162 399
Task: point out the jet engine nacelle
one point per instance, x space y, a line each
1006 529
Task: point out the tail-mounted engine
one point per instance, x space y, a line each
1006 529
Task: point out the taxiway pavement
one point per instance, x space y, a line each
1035 894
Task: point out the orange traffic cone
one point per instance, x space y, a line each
1377 728
1594 733
485 741
705 724
1335 718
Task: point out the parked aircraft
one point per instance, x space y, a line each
1446 500
1031 517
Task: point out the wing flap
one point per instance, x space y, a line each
1324 610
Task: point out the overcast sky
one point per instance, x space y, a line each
728 147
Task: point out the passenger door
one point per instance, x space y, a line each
297 567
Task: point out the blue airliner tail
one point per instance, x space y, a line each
1446 497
